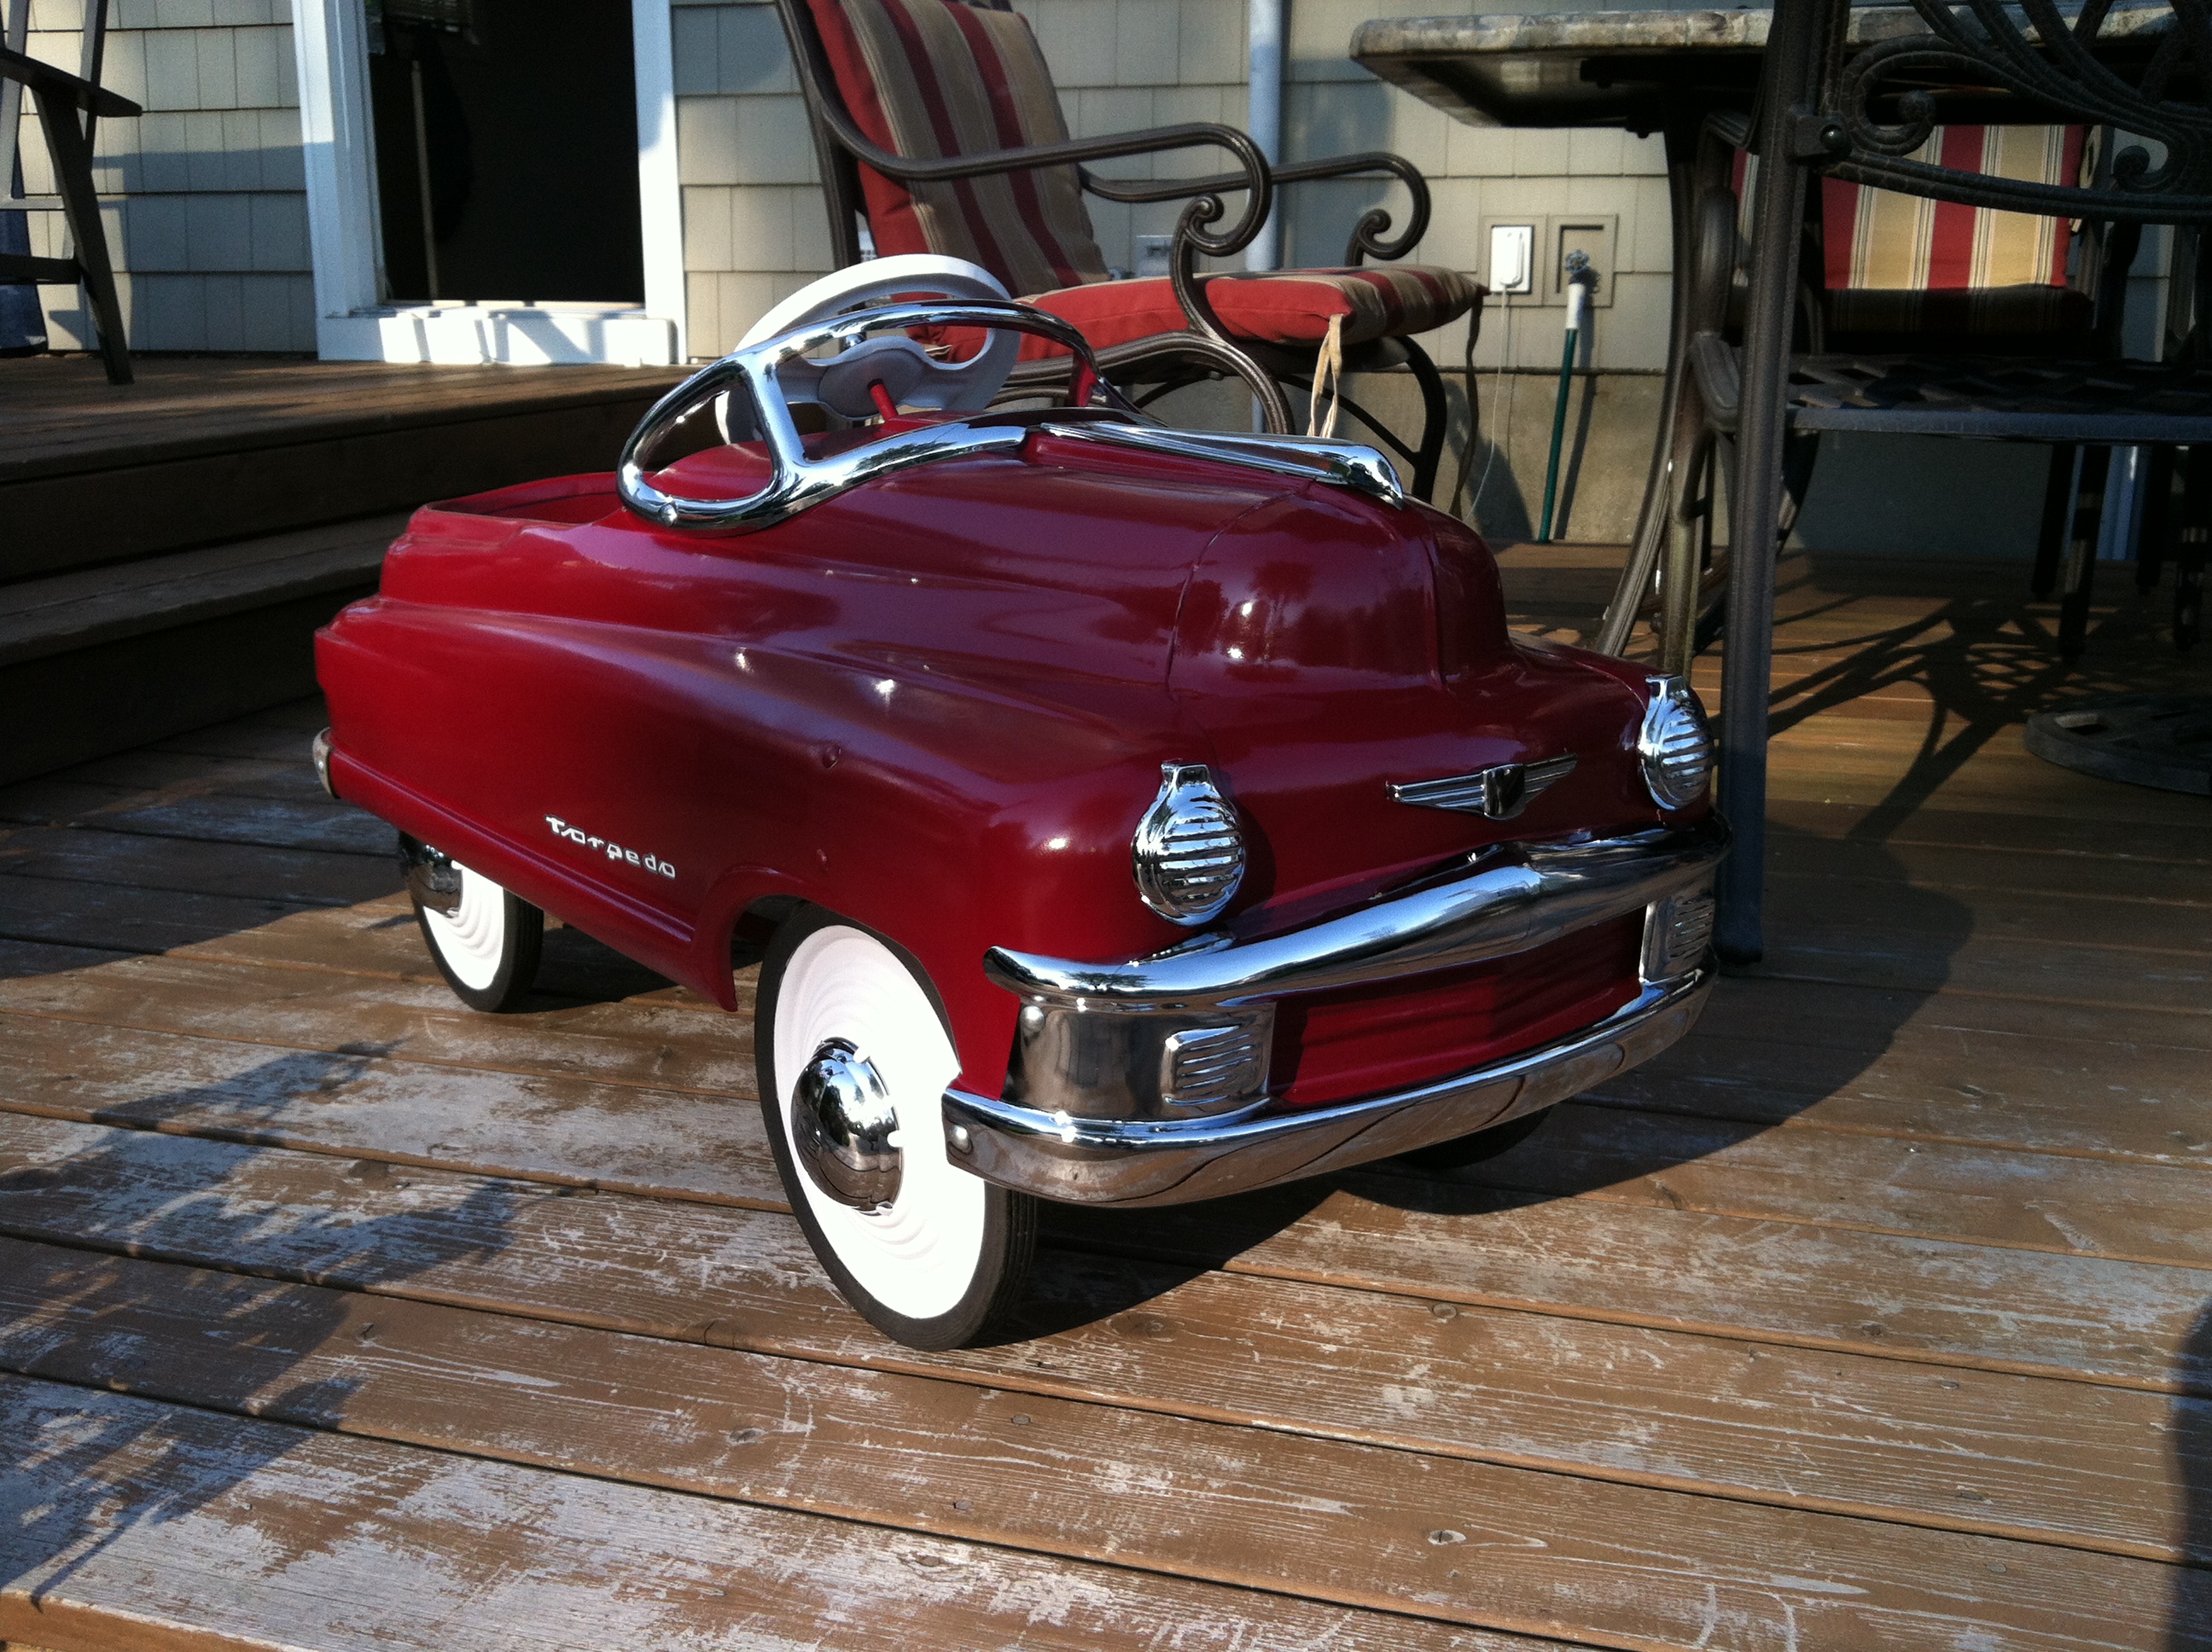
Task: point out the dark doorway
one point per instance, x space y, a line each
506 149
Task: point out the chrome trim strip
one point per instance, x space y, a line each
1176 1161
795 480
1509 899
1312 459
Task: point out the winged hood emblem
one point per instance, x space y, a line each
1500 792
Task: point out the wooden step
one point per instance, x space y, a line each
119 655
204 451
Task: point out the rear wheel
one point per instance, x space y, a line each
855 1058
484 940
1463 1151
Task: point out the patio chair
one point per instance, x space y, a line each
937 124
1906 298
67 106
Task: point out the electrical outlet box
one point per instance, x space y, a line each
1512 259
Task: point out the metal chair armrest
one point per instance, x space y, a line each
1365 241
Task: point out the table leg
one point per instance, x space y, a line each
2190 544
1660 491
1689 527
2050 537
1755 505
2081 575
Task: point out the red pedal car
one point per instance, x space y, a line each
1139 816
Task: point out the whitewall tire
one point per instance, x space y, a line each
930 1255
487 946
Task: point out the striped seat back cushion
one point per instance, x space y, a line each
928 79
1902 263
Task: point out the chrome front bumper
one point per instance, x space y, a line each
1101 1107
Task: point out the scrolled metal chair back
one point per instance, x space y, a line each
2144 69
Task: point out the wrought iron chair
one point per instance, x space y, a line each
1863 113
67 106
937 124
1897 290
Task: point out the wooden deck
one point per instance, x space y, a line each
1879 1315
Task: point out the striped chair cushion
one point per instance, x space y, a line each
1899 264
1288 307
927 78
930 78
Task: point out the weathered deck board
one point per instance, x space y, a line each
2033 1202
189 1530
649 1266
1970 1451
152 866
185 811
1347 1523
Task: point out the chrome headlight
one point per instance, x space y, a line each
1676 746
1188 854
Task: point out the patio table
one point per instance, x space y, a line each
1696 76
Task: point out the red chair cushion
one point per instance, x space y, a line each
1284 307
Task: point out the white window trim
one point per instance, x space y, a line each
329 39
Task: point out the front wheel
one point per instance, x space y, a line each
853 1059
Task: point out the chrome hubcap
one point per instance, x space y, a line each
432 877
842 1125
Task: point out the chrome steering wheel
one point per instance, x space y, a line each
910 376
796 481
